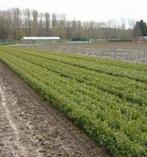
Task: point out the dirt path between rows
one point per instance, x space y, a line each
30 127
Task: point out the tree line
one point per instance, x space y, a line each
16 23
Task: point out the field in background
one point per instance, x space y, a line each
108 99
130 51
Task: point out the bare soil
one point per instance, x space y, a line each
129 51
30 127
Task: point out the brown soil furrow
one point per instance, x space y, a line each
22 149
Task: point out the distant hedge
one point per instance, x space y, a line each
7 42
116 40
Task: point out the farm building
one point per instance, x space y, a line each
39 39
140 39
79 40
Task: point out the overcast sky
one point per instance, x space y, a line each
97 10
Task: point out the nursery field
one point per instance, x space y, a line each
106 98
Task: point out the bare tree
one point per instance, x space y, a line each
16 22
27 22
47 23
35 23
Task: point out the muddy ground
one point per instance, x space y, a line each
30 127
129 51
